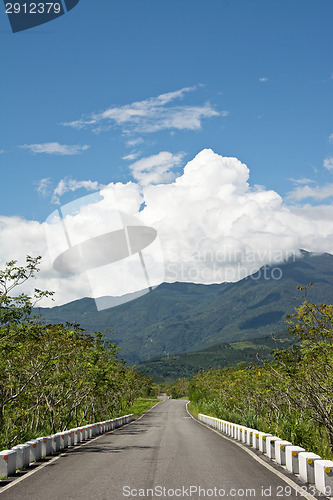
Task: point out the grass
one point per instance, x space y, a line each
140 406
193 409
304 433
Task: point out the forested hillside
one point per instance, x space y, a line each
185 317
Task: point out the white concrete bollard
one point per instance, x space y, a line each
324 476
46 443
35 450
55 443
245 430
71 439
262 441
270 446
81 434
250 433
76 437
255 439
292 460
306 466
239 432
61 440
7 463
22 455
280 451
64 439
236 432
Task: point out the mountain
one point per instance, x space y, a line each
170 368
185 317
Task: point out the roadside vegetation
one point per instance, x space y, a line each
291 396
54 377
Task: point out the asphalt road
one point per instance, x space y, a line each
165 454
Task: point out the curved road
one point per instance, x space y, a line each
165 454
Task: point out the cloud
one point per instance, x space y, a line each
29 237
132 156
150 115
43 186
328 163
134 142
263 79
302 181
212 225
156 169
54 148
330 138
68 184
316 193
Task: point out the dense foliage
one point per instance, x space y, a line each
292 396
54 377
187 317
170 368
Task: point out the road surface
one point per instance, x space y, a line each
165 454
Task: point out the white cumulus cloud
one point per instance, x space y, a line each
316 192
211 224
68 184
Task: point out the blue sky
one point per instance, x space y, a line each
134 90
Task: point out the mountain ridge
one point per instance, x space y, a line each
186 317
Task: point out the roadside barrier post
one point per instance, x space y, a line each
7 463
306 466
324 476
